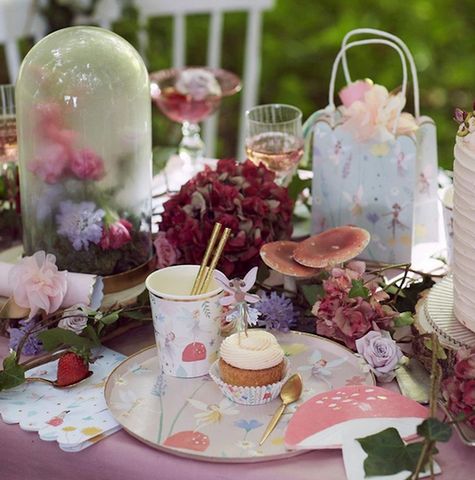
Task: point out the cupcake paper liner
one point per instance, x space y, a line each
249 395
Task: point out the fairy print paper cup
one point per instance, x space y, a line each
186 326
249 395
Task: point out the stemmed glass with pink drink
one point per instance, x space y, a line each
189 95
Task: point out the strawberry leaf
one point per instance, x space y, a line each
54 337
12 374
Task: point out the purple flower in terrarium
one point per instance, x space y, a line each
373 217
277 312
33 345
81 223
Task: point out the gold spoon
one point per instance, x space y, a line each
290 393
54 383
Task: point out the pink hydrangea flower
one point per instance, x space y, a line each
38 284
50 124
87 165
166 253
51 163
116 235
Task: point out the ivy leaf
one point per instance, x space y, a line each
54 337
404 319
111 318
358 289
441 355
435 430
387 453
297 186
313 292
12 374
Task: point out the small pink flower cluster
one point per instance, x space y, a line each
347 319
459 390
56 159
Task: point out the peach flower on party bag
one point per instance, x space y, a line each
38 284
369 112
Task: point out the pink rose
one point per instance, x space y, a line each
116 235
354 91
37 283
381 353
51 163
87 165
166 252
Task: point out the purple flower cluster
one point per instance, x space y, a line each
277 312
32 346
81 223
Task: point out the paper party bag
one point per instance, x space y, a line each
374 165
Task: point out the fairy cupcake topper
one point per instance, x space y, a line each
239 298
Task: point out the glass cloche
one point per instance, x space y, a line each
84 132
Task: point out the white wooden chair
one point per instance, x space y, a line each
17 22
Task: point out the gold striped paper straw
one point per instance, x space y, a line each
214 262
201 272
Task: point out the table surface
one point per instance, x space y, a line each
23 456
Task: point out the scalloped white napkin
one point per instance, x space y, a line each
75 418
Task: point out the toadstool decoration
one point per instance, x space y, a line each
334 246
188 440
194 352
329 418
279 257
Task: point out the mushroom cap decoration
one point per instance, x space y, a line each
334 246
194 352
280 257
188 440
327 419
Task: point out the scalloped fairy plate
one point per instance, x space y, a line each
192 418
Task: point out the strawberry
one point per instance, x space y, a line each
73 366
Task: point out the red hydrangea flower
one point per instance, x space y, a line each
116 235
241 196
459 390
347 319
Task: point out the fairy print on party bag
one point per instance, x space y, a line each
375 166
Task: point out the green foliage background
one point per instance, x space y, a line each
300 41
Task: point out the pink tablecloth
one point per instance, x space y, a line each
23 456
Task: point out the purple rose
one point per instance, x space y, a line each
381 353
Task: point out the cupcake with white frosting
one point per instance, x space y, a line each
251 368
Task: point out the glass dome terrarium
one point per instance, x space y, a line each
84 134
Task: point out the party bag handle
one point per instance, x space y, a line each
398 41
331 94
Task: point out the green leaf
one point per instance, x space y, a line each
391 289
412 295
297 186
387 453
313 292
435 430
404 319
441 355
54 337
358 289
161 155
137 315
111 318
12 374
263 273
93 335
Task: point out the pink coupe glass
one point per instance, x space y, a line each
190 110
